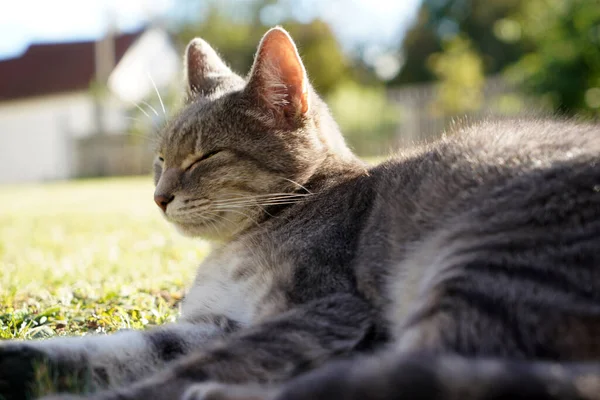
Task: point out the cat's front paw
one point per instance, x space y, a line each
28 371
18 370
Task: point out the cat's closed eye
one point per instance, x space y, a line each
203 157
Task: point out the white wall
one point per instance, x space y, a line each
35 134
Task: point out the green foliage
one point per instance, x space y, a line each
366 117
563 64
459 70
443 20
549 48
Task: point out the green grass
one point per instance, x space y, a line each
89 256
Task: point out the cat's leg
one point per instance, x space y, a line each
427 377
93 362
274 351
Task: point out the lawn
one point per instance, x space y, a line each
89 256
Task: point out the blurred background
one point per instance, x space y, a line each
80 81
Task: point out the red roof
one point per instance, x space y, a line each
54 68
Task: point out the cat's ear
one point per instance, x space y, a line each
204 69
278 79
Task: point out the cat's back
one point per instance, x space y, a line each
503 147
506 217
472 174
512 159
483 156
524 144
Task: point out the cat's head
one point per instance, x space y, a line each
240 145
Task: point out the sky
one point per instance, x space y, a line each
376 23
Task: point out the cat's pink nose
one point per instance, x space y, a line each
163 201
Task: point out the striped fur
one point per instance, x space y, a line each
441 378
466 269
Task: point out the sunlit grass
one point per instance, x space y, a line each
88 256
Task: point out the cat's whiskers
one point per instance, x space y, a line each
158 94
152 121
273 203
212 219
260 199
255 203
194 203
196 208
150 107
202 213
268 195
142 110
154 138
250 204
196 200
295 183
186 210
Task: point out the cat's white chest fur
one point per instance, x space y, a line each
232 282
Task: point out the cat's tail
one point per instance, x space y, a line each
446 378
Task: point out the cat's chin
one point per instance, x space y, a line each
199 231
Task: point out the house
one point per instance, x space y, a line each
49 99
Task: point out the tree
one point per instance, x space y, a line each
481 21
563 65
548 48
459 71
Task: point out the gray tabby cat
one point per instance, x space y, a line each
466 269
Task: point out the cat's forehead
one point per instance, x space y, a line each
198 126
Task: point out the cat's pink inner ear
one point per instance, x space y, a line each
202 64
282 78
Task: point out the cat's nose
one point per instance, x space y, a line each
163 201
